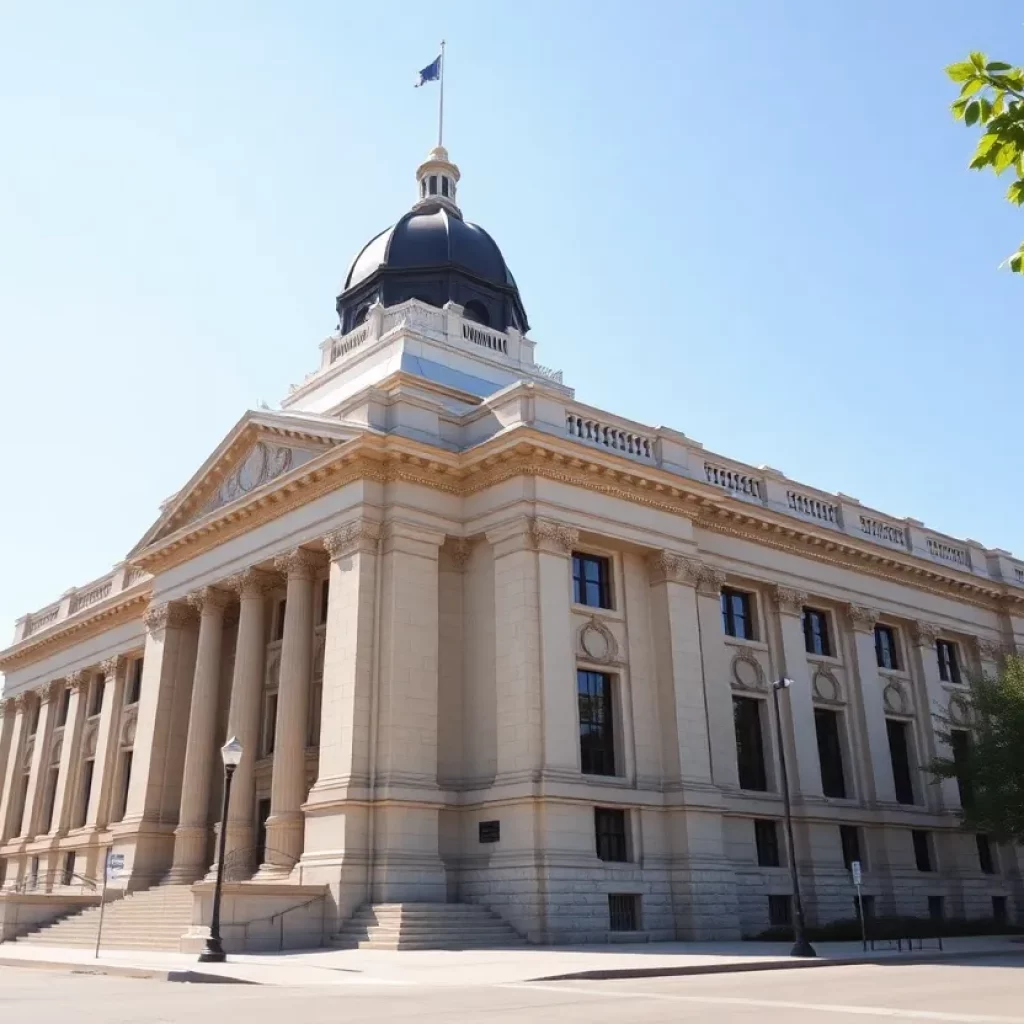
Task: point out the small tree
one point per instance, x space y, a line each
991 770
992 95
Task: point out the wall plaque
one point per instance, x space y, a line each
490 831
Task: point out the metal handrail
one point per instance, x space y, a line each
279 917
46 881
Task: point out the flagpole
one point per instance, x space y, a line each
440 108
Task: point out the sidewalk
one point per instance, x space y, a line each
480 967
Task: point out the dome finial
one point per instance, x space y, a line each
436 181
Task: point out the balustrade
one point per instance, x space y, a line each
887 533
609 436
732 480
812 508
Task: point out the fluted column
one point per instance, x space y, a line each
105 763
12 736
192 832
244 717
872 705
70 753
288 785
800 732
40 761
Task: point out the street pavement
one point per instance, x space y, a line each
985 990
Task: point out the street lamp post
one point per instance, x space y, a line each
801 947
213 951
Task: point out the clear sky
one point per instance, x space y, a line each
749 221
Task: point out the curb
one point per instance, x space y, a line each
124 971
741 966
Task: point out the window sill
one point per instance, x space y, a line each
749 645
825 660
606 780
593 609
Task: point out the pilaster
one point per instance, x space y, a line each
30 823
105 763
12 729
70 753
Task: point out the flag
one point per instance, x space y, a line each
431 73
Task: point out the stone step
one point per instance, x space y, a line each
427 945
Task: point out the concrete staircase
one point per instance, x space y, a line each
425 926
153 919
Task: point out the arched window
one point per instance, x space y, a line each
477 312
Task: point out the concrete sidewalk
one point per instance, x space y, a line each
481 967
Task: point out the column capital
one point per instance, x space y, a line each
251 583
671 567
23 701
209 599
300 564
8 706
359 535
48 691
924 634
79 681
790 601
863 617
553 536
109 666
166 616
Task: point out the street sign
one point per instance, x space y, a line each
855 871
115 865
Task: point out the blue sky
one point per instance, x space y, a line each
752 222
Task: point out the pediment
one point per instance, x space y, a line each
263 448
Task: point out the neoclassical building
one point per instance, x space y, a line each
486 645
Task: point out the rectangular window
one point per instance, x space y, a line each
899 755
830 752
126 782
269 724
960 742
64 707
610 833
985 859
22 800
780 911
936 909
885 648
922 849
68 875
623 912
282 607
816 637
949 665
325 593
999 914
849 836
591 581
737 619
50 807
746 713
34 720
766 838
262 813
86 793
96 695
134 682
597 737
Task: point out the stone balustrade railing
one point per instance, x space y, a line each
734 480
485 337
883 532
607 434
810 507
941 551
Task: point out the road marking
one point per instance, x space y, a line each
864 1011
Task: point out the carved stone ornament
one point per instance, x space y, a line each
826 687
668 566
711 581
597 642
299 564
924 634
863 618
79 681
989 650
209 600
23 701
263 463
48 691
109 667
460 551
166 616
747 673
358 535
90 737
129 726
895 698
790 601
551 535
252 583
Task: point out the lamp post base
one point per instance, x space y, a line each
213 952
802 948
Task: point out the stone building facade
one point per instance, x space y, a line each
483 643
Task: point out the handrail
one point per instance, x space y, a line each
279 916
46 881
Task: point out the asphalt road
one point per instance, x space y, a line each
987 991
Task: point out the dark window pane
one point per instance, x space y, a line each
610 833
922 850
960 742
766 837
816 636
850 838
126 782
282 607
325 593
985 859
65 706
83 808
597 743
96 702
623 912
749 743
885 647
936 909
949 666
68 874
134 682
737 618
830 752
899 754
591 581
780 911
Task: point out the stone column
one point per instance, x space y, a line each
798 726
288 784
335 813
244 717
880 786
30 823
70 753
12 738
946 795
190 837
105 763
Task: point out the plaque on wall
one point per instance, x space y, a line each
490 831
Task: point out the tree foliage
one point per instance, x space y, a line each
991 774
992 96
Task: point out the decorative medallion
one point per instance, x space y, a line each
597 641
89 739
895 699
747 673
826 686
129 725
